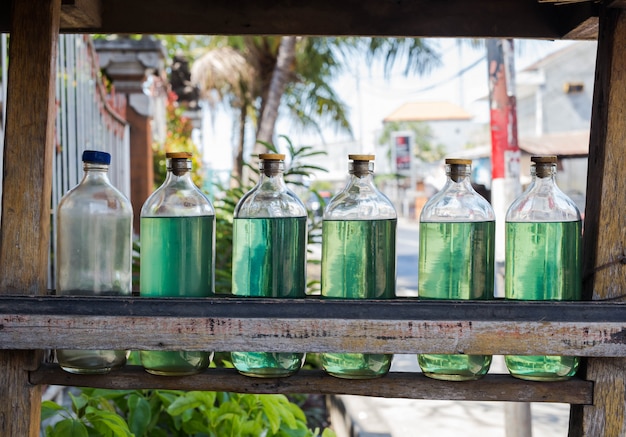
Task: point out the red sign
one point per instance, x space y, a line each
403 153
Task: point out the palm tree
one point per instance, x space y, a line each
296 71
226 76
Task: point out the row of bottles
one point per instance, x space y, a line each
358 257
543 260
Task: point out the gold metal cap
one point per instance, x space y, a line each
178 155
272 156
361 157
550 159
453 161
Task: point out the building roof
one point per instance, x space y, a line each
571 143
428 111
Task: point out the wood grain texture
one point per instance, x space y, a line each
428 18
29 142
25 231
314 325
81 13
394 385
604 271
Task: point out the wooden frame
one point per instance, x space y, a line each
599 398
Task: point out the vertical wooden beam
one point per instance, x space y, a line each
27 174
604 271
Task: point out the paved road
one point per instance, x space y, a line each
407 250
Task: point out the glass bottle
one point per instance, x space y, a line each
359 258
456 261
177 255
543 260
93 252
269 257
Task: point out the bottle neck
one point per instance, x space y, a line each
545 172
459 173
272 172
178 170
94 171
361 169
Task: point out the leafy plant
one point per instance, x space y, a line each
165 413
296 174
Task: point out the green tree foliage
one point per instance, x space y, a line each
424 149
178 139
297 75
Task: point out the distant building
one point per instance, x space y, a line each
451 125
554 102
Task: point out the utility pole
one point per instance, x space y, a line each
505 185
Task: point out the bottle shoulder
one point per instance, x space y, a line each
454 203
360 203
543 204
265 202
95 198
177 199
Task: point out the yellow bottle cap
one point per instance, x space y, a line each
453 161
549 159
178 155
272 156
361 157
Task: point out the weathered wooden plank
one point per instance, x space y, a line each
605 227
315 325
479 18
452 18
25 231
413 385
406 309
587 30
81 13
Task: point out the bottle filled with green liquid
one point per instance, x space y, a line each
359 258
456 261
177 255
93 253
543 260
269 257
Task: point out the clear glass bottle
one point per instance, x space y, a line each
543 260
359 258
93 252
269 257
177 255
456 261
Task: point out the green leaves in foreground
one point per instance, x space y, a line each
164 413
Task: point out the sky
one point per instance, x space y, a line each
462 79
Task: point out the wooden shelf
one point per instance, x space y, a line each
315 325
461 18
394 385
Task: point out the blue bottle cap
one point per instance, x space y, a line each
97 157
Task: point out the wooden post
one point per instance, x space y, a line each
25 231
604 271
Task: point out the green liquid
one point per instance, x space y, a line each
176 261
456 262
269 260
543 262
358 262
